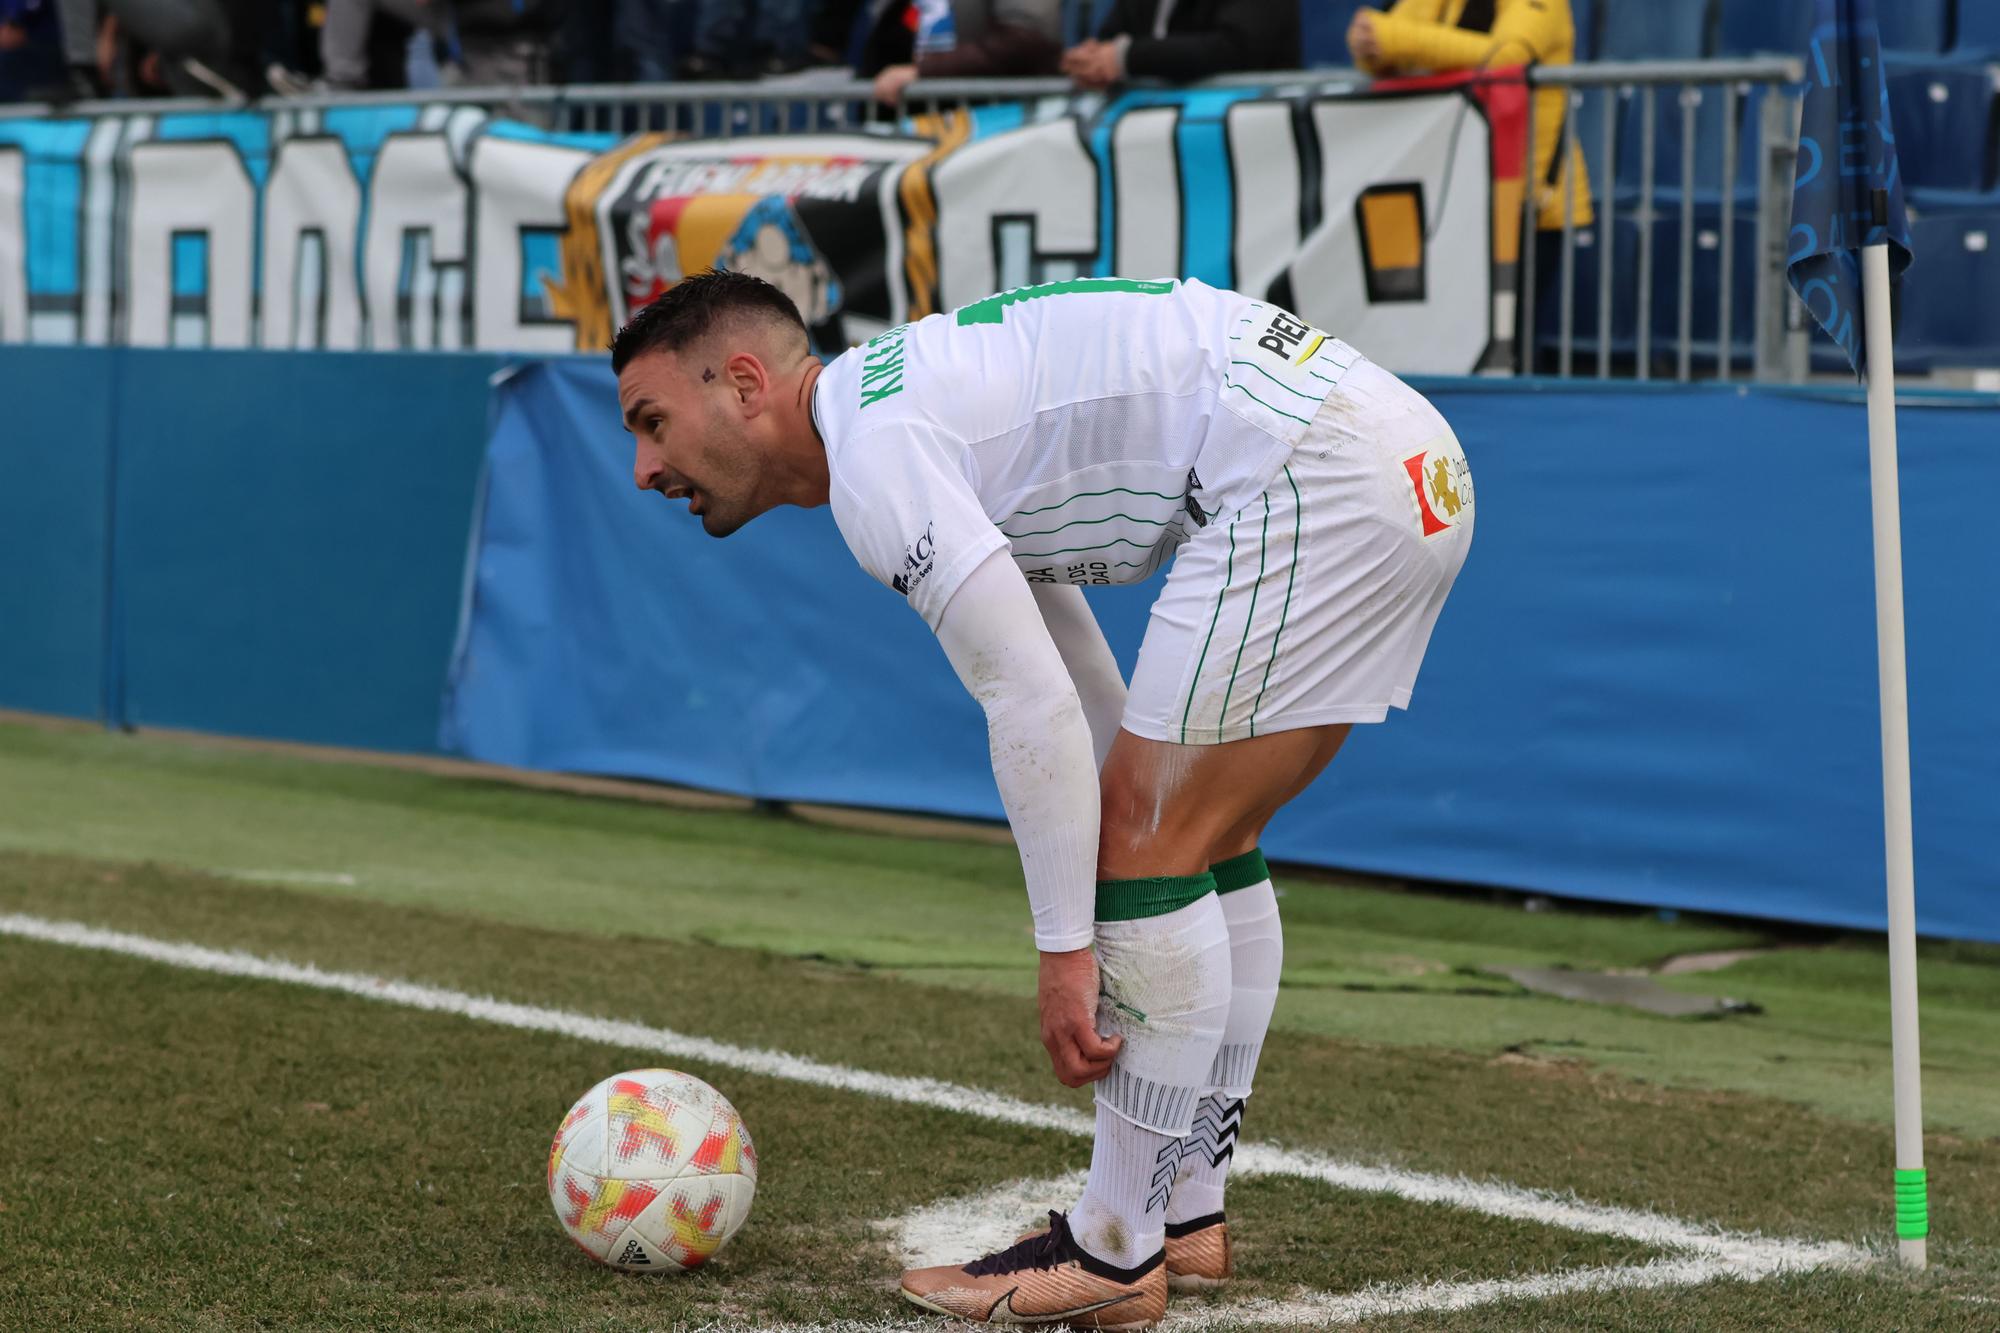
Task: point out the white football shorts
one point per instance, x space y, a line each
1314 603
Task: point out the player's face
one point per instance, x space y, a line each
692 441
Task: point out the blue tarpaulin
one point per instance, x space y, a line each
1654 683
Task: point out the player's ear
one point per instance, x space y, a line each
748 379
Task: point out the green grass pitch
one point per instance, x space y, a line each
186 1150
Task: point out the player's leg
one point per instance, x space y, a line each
1163 955
1305 612
1168 976
1197 1244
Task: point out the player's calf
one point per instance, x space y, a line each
1163 959
1163 955
1197 1232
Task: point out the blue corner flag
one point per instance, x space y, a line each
1848 193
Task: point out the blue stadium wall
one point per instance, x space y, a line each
1655 683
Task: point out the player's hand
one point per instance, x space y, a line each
1068 995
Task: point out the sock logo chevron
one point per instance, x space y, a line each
1166 1166
1216 1125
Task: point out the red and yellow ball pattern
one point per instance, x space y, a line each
652 1171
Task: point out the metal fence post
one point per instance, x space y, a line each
1647 129
1777 154
1725 353
1684 359
1529 217
1607 196
1564 148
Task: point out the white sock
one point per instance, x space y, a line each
1256 955
1166 991
1204 1158
1122 1216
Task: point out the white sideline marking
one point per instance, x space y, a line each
949 1230
1732 1250
1321 1309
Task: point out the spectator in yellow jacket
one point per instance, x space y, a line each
1439 36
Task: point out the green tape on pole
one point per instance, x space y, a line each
1913 1217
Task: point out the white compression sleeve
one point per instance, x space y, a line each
1035 727
1091 666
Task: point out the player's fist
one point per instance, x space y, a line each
1068 995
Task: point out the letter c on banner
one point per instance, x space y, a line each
312 218
415 192
518 187
181 187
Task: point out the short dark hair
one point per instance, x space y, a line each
688 310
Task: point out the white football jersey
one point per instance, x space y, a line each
1088 425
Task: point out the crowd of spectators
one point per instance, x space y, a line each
62 50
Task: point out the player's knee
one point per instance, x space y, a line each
1151 822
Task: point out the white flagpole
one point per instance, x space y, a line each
1911 1208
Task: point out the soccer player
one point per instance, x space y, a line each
1311 510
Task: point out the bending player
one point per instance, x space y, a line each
983 464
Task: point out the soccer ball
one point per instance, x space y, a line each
652 1172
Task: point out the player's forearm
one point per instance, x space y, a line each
994 635
1100 687
1047 775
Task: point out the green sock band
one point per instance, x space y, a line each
1240 872
1913 1217
1130 899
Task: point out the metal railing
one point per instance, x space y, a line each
1765 82
829 101
785 104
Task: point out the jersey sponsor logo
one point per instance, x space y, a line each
1443 485
1194 509
1291 340
882 366
1081 574
918 558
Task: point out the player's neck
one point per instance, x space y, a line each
809 485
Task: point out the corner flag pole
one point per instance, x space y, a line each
1912 1221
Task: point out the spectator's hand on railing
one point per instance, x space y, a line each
889 84
1362 42
1093 65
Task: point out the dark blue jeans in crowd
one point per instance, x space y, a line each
642 33
617 41
730 31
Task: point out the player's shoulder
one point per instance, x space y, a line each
872 385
